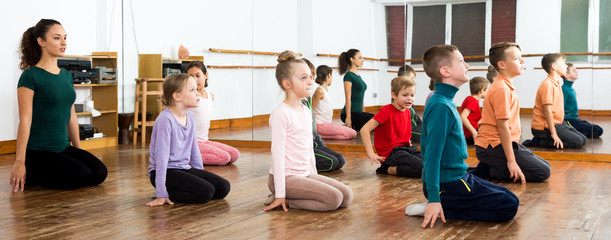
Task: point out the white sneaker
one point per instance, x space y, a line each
270 199
415 209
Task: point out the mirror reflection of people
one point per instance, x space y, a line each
353 114
47 120
213 153
571 115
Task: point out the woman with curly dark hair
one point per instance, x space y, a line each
47 120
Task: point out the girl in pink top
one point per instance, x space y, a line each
293 179
323 111
213 153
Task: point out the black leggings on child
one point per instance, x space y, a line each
73 168
193 185
358 119
407 159
328 160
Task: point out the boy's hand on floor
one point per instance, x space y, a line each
375 158
515 172
432 211
557 142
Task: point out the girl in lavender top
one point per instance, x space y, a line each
176 170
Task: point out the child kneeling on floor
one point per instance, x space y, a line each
451 191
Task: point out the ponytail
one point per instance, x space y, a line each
344 61
29 50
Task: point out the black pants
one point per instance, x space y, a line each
474 199
584 127
534 168
407 159
570 137
358 119
194 185
328 160
73 168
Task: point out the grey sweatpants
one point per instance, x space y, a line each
314 192
534 168
570 137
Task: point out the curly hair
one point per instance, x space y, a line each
29 50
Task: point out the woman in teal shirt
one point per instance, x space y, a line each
47 120
354 88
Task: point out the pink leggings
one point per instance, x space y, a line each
215 153
315 192
335 131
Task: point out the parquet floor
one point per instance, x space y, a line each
572 204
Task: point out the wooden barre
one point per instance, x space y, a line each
363 69
246 52
367 58
593 68
240 67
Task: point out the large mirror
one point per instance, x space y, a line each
240 49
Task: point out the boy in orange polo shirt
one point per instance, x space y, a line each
549 109
496 145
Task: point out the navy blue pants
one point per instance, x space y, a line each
474 199
586 128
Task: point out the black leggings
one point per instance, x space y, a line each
407 159
193 185
358 119
328 160
73 168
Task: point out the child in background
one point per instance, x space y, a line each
176 170
293 178
570 106
396 155
326 159
213 153
548 127
323 111
416 121
492 74
470 113
451 191
496 145
432 88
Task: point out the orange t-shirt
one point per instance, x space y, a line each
549 92
501 102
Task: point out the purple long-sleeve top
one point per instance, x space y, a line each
173 146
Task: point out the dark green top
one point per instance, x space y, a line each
51 108
570 100
443 144
357 92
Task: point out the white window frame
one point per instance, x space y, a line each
448 28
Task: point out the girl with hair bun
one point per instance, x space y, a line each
293 179
353 114
47 120
323 111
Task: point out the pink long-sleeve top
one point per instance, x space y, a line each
292 150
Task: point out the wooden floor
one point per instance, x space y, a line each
600 145
573 204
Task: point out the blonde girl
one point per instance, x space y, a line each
176 170
293 180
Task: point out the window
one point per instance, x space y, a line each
459 24
585 27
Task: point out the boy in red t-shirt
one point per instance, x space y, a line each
392 135
470 112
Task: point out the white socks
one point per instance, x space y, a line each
416 209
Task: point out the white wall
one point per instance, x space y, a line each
79 19
305 26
